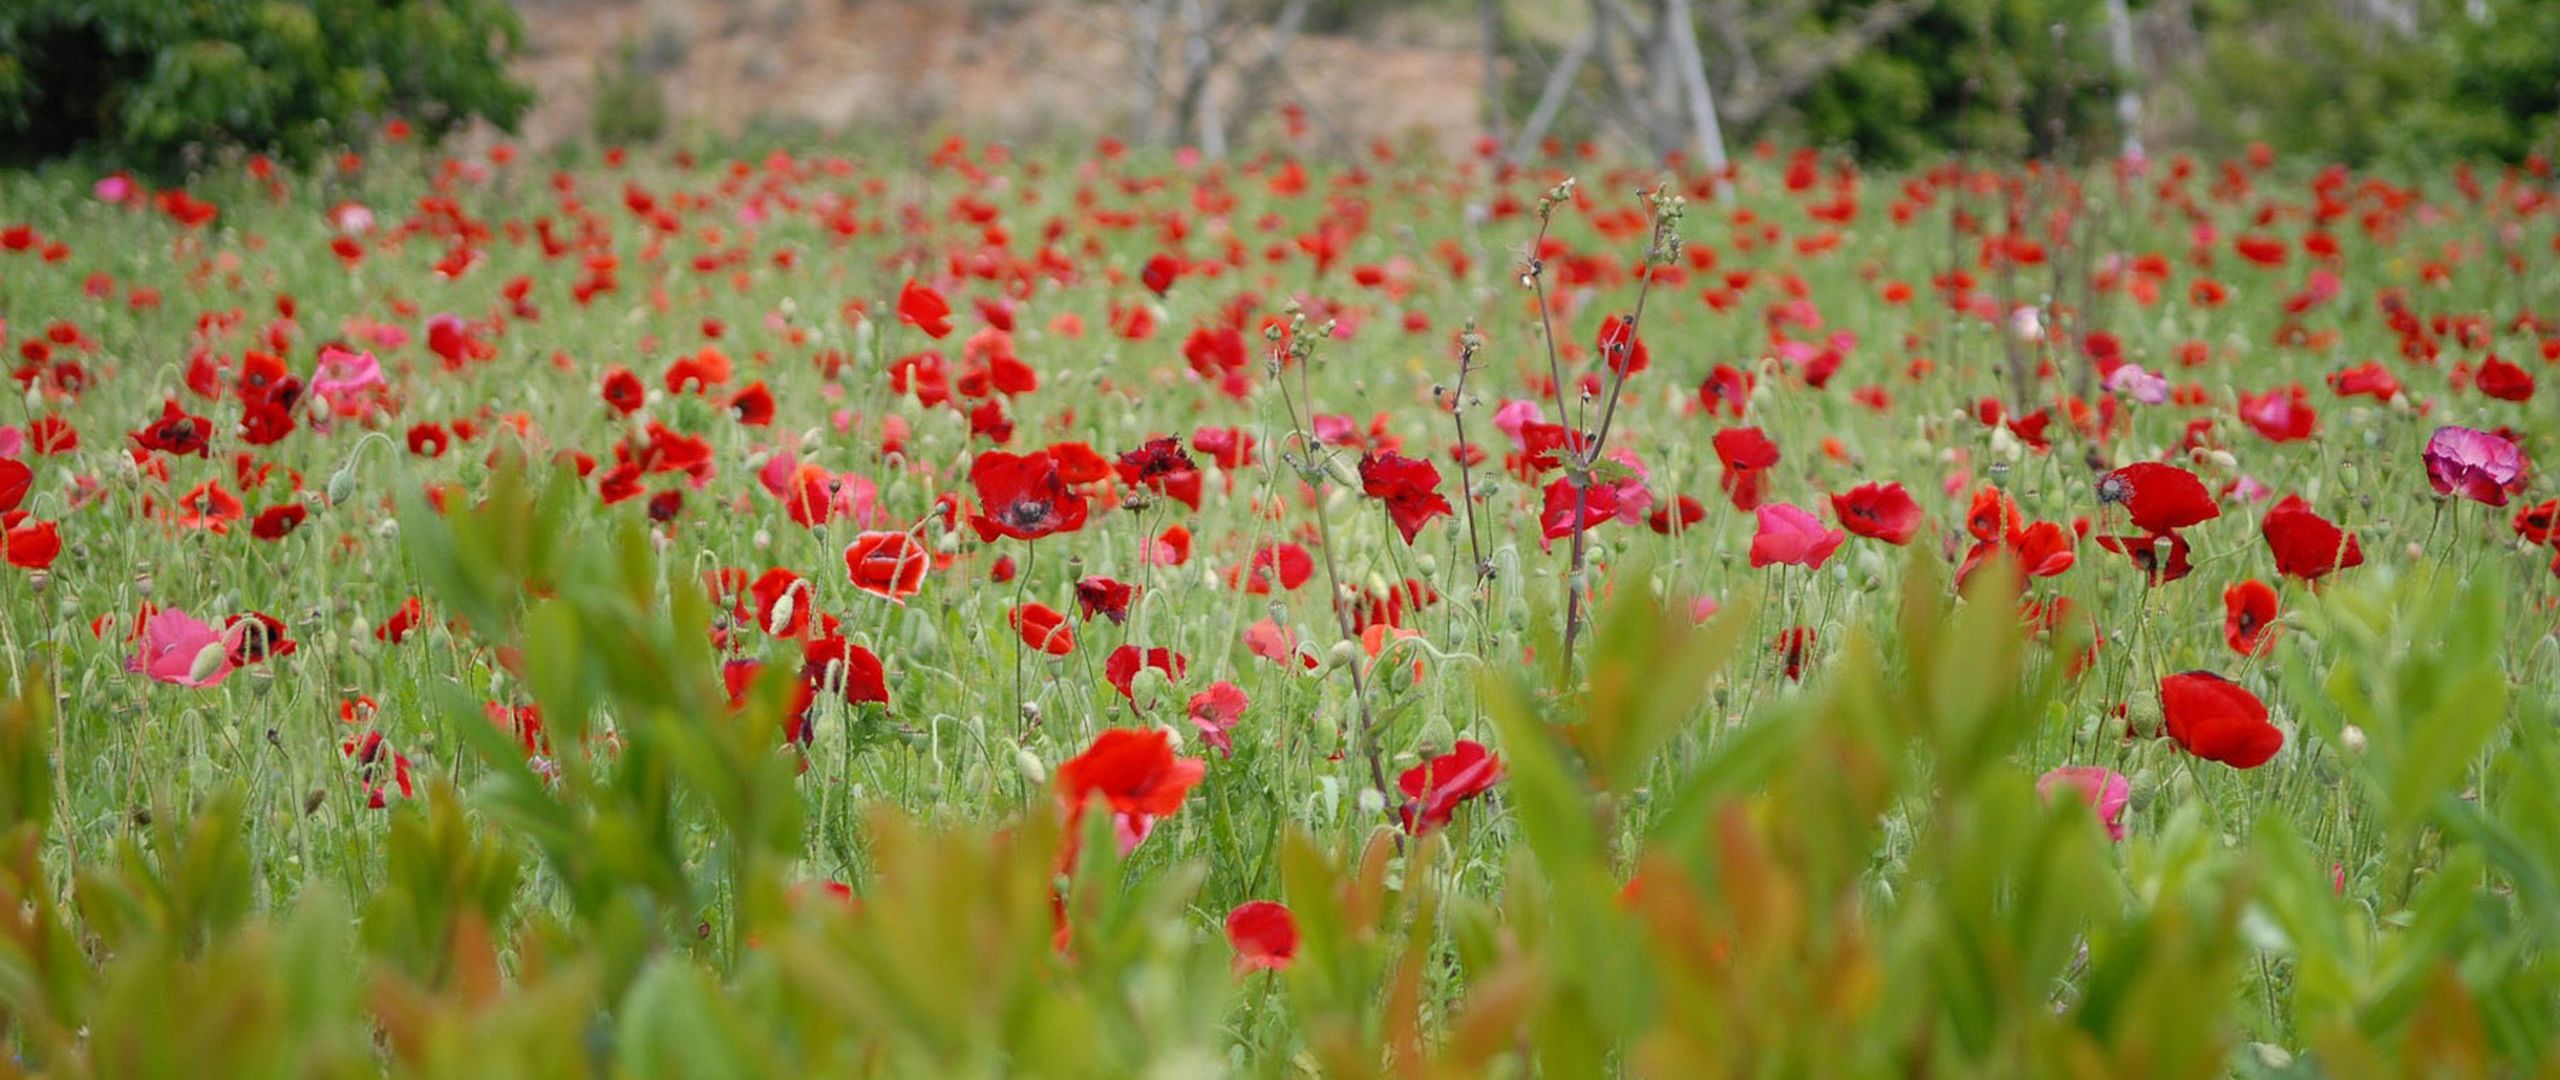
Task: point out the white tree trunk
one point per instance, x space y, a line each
1702 99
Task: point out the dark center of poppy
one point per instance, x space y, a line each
1028 514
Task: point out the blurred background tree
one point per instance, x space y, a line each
151 82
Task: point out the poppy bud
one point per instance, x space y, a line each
342 486
783 609
2222 460
1342 654
1372 801
1031 713
2349 475
208 660
2351 737
318 406
1028 763
1430 565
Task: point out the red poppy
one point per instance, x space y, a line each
1409 486
1678 515
2504 381
2218 720
831 662
254 637
1121 668
1748 455
1794 646
623 391
27 543
176 433
395 629
1099 595
1288 565
2538 525
753 406
278 522
2159 498
2306 545
1992 516
1023 496
921 307
2282 415
1263 934
428 440
2161 557
783 602
15 479
1135 774
1043 628
1878 512
1621 347
2249 616
1726 391
1159 273
1434 789
890 564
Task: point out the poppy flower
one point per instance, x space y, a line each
1159 273
428 440
1263 934
1135 775
175 648
1155 463
1794 646
2504 381
1993 515
1794 537
2161 557
1678 515
176 433
2476 465
783 601
15 479
1621 347
1023 496
2306 545
752 406
1557 519
2249 616
1878 512
2368 379
2281 415
2105 791
255 637
1102 596
1726 391
1042 628
1121 668
2159 498
890 564
1214 712
1409 486
921 307
29 544
829 662
1434 789
2218 720
1284 564
406 618
1747 456
2538 525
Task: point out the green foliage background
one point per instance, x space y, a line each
148 80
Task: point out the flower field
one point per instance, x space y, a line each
1110 613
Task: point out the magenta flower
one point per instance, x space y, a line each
1790 535
2476 465
346 380
1215 711
178 649
2105 791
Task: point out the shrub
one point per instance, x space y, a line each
152 82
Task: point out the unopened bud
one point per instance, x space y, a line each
342 486
208 660
1029 764
2352 737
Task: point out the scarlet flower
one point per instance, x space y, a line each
27 543
1121 668
2504 381
1747 455
1043 628
176 433
2249 616
1621 348
1409 486
1264 935
1434 789
1214 712
1680 515
2538 525
2159 498
1727 390
254 637
2306 545
2218 720
890 564
395 629
2161 557
15 480
1023 496
753 406
1159 273
1287 564
1992 516
783 602
830 662
1879 512
428 440
2282 415
1135 774
1794 646
921 307
1098 595
2368 379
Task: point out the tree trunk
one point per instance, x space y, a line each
1702 100
1559 84
1489 20
1150 49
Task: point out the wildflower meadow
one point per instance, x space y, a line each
1100 611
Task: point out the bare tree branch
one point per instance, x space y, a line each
1751 103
